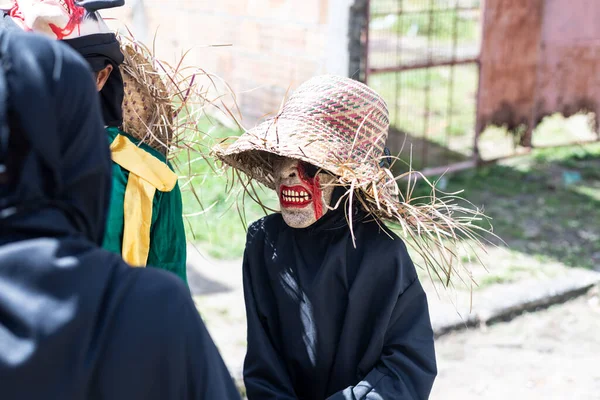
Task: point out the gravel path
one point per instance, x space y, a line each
550 354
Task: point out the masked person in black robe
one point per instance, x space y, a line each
334 305
75 321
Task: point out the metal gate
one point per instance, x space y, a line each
422 57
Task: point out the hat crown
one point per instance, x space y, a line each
337 124
352 116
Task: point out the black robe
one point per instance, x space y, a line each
75 321
327 320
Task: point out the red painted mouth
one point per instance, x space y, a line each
294 196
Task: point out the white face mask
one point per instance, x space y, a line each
59 19
304 195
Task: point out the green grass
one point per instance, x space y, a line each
219 230
444 23
435 107
442 26
535 210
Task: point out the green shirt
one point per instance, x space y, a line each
167 234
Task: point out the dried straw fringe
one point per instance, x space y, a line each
439 228
148 112
166 104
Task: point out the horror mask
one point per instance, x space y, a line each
304 191
59 19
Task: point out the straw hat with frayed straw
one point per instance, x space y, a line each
148 112
164 107
334 123
162 104
341 125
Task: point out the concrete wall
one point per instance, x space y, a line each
276 44
538 57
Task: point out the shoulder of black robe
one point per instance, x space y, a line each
324 316
75 321
399 358
94 328
266 375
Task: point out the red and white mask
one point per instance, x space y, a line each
59 19
304 191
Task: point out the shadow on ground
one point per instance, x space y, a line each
201 285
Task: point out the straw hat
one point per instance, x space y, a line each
341 126
148 112
335 123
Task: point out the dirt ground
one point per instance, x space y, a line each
550 354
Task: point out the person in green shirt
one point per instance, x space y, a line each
145 222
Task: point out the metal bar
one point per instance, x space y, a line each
398 76
478 125
448 169
464 165
425 150
140 20
437 171
451 84
367 29
527 139
566 144
478 128
427 64
520 152
416 12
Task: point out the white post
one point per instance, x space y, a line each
338 24
139 20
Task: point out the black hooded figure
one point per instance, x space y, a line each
327 320
75 321
334 305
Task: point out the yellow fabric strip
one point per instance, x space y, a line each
139 195
143 164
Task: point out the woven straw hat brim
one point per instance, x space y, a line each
251 153
148 112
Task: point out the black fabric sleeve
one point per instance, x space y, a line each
154 344
407 367
265 374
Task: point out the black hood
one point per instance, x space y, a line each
100 50
54 149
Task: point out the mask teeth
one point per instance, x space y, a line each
65 5
293 196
